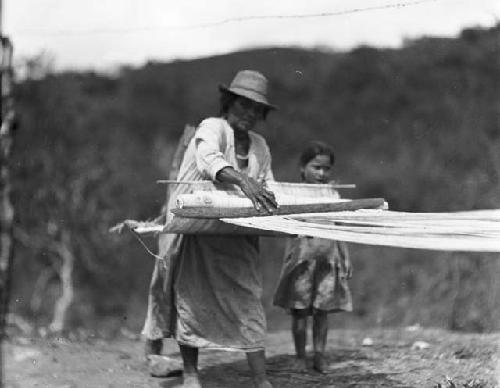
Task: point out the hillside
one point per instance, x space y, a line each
417 125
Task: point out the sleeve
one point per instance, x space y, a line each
210 142
266 173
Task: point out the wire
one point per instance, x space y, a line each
68 33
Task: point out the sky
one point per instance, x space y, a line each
104 34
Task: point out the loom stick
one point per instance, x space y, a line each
213 226
226 212
333 185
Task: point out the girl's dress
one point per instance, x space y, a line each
314 276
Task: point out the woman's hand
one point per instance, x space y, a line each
262 199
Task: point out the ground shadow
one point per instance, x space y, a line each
348 368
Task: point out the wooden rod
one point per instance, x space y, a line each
333 185
225 212
174 182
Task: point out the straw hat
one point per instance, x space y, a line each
250 84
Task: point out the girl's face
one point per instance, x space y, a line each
317 170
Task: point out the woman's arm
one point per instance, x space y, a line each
210 141
262 199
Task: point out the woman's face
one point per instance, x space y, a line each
317 170
244 113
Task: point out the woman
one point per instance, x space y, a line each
216 282
315 273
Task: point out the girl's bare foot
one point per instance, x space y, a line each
191 381
319 362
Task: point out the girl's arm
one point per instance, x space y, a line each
344 256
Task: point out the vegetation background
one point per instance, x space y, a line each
419 126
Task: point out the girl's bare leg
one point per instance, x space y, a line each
257 363
299 332
190 359
320 332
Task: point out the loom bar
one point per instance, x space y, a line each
226 212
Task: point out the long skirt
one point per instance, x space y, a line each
213 294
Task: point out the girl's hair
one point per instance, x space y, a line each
315 148
227 99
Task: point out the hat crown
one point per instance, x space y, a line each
250 80
250 84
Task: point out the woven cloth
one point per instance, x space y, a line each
474 231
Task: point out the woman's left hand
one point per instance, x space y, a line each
262 199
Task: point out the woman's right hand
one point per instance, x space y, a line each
262 199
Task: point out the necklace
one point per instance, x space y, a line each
242 157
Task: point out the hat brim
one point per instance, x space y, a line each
247 94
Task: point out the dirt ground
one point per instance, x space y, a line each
411 357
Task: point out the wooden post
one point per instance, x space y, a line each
186 137
6 207
175 165
7 127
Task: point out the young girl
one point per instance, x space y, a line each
315 272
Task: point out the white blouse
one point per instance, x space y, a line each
212 149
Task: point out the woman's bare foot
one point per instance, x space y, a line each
319 362
153 347
299 365
164 366
191 381
262 383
